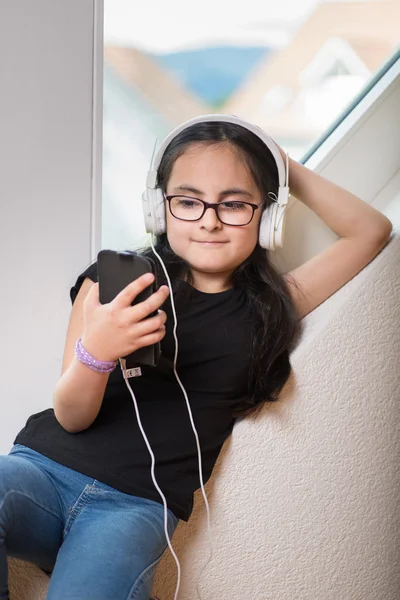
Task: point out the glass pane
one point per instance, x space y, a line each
290 67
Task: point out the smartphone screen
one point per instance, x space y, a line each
115 271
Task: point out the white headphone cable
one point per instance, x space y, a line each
189 411
122 362
123 368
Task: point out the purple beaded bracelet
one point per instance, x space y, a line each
100 366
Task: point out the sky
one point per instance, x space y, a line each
163 26
170 25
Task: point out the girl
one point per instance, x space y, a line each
76 496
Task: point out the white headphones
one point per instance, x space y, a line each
272 224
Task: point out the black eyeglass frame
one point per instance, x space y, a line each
214 206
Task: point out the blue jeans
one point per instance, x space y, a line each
97 542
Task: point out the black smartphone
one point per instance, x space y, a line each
115 271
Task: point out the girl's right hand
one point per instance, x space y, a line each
116 329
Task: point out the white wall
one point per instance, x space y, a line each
47 233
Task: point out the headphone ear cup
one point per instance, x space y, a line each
148 213
159 211
266 233
280 225
154 211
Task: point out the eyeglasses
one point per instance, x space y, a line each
232 212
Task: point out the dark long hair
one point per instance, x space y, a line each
275 323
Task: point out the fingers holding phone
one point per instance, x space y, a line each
122 316
144 321
130 297
149 330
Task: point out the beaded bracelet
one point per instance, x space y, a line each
100 366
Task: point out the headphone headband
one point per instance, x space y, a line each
283 174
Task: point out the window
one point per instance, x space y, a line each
249 60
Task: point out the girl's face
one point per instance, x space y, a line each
213 173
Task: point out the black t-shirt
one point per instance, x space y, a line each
214 335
